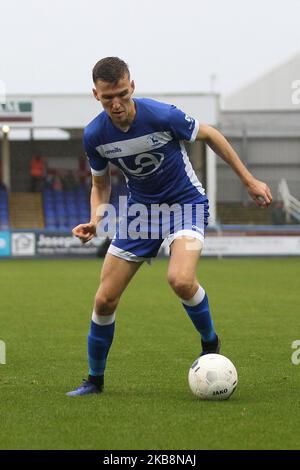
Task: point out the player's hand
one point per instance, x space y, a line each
260 193
85 232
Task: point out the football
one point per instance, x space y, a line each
213 377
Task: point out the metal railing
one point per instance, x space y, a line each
291 205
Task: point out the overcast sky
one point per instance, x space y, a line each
170 45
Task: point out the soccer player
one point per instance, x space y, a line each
144 138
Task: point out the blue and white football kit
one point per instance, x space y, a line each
152 156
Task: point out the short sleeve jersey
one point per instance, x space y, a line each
151 154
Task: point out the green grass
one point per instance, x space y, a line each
45 315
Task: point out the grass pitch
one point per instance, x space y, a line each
45 315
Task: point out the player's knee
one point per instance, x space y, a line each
105 304
182 284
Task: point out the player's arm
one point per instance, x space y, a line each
100 195
258 190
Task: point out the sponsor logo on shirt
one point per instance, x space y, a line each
145 164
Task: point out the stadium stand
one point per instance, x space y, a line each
26 210
64 209
238 213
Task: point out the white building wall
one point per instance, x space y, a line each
75 111
279 89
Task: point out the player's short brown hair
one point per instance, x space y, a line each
110 69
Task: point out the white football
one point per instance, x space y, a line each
213 377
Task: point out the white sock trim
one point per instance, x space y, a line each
196 299
103 319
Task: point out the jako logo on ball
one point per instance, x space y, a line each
220 392
213 377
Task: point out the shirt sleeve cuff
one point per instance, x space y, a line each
195 131
99 172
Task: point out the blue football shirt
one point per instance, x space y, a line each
151 154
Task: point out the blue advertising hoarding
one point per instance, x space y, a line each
4 243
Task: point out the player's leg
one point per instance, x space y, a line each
184 256
115 276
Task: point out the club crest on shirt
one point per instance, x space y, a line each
153 141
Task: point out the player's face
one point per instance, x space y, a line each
116 100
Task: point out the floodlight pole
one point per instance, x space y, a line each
211 183
5 157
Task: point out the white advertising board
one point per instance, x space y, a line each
251 246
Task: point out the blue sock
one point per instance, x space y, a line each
198 310
99 341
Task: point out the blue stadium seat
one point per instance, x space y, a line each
64 209
4 211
